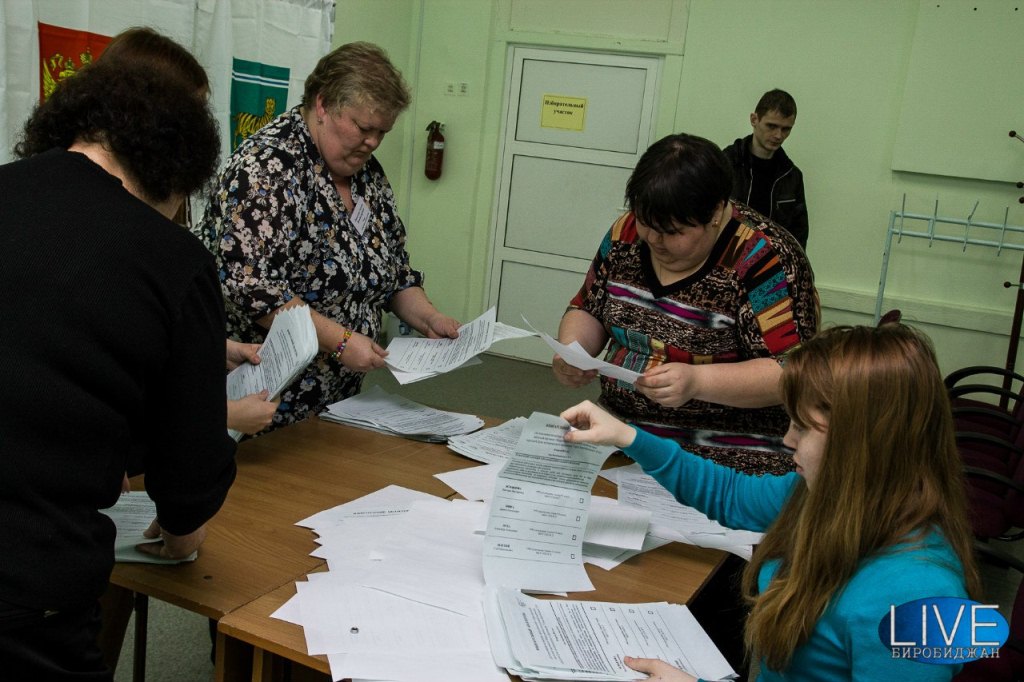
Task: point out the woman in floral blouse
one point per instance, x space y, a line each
303 214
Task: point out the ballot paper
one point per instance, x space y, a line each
290 346
676 521
131 515
414 358
538 516
490 445
576 355
587 640
384 412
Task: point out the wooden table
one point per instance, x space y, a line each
341 464
252 545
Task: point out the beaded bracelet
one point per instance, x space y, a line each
341 345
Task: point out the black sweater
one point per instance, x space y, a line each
111 341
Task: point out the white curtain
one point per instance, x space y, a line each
278 36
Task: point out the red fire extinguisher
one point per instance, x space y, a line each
435 150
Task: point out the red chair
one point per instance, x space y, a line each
985 408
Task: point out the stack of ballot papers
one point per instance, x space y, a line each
549 639
414 358
378 410
290 346
132 515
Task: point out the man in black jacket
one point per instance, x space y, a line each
764 178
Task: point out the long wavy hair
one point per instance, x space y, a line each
890 473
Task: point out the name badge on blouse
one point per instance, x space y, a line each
360 216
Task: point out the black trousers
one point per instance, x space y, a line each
37 646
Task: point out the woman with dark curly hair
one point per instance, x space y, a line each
115 334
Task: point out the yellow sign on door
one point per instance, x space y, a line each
565 113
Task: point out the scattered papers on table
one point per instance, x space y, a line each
403 597
490 445
413 358
539 510
384 412
587 640
132 514
675 521
290 346
577 356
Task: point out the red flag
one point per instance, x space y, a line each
62 52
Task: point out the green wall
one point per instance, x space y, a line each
845 63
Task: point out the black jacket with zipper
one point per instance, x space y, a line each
787 206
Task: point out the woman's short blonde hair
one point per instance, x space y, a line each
358 74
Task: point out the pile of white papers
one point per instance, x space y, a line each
132 515
403 597
548 639
490 445
378 410
290 346
671 520
413 358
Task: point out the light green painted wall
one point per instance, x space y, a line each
844 61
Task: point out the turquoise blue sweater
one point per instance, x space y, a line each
844 645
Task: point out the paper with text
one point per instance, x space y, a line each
538 517
587 640
290 346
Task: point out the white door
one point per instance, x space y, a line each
575 126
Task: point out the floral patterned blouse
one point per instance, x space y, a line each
754 297
280 229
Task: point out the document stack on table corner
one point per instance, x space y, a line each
131 515
538 516
555 639
290 346
414 358
378 410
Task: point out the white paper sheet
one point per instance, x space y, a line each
434 558
538 515
473 483
132 514
576 355
417 354
615 525
686 524
490 445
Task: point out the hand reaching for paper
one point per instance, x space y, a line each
363 354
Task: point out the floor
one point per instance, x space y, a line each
179 641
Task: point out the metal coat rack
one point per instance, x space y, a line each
994 237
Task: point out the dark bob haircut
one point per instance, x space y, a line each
159 130
142 46
680 180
